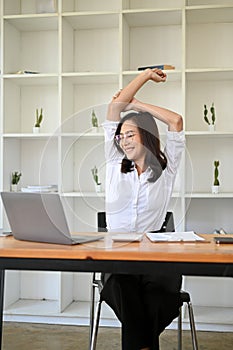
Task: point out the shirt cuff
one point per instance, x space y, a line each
176 135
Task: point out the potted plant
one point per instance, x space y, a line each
94 172
213 117
215 187
15 177
39 118
94 122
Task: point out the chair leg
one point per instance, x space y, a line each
95 326
92 309
192 326
180 329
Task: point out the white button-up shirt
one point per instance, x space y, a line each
132 203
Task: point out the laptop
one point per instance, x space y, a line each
40 217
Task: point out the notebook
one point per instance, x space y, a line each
40 217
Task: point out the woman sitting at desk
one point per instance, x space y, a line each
140 178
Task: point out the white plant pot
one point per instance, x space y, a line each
36 129
211 127
14 188
95 129
215 189
98 188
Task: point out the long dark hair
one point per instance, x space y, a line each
149 135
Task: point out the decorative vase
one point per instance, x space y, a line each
14 187
36 129
211 127
215 189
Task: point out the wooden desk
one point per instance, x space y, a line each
208 259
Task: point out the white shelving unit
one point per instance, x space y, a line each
82 53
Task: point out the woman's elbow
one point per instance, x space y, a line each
177 123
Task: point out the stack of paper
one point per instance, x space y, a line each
188 236
40 188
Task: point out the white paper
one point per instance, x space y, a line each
188 236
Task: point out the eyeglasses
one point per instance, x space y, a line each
128 136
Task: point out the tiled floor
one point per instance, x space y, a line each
25 336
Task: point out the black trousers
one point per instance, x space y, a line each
145 306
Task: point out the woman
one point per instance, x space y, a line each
139 183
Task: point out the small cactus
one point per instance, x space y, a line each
216 173
39 118
94 119
212 111
15 178
95 175
205 115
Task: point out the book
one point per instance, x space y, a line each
26 72
159 66
188 236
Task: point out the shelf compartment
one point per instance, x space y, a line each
28 94
78 158
210 13
139 32
90 5
151 4
207 214
208 34
19 7
80 97
99 34
33 22
37 160
201 155
29 44
210 74
206 91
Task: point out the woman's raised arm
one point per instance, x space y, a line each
121 100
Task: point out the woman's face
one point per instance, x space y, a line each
130 142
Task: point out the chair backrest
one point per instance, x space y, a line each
167 226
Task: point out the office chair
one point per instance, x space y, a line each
97 283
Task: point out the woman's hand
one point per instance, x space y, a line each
157 75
